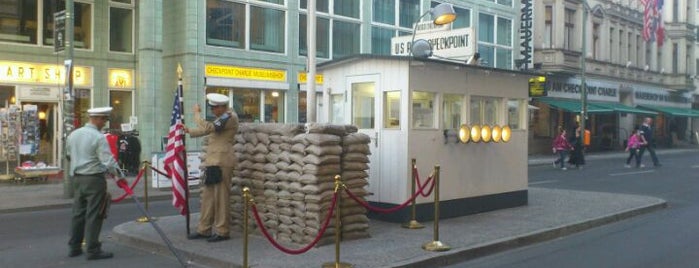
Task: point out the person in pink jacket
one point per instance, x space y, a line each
633 146
561 146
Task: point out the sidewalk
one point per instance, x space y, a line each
551 213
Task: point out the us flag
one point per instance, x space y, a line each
174 161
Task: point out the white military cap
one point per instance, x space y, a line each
100 111
216 99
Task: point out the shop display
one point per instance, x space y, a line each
30 139
19 141
9 137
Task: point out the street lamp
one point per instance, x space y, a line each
583 87
441 14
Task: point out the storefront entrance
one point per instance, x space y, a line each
47 134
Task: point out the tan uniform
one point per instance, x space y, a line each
215 199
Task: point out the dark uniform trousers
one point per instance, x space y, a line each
89 193
215 199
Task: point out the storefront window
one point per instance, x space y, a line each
274 106
391 109
452 111
18 21
423 109
514 117
246 103
225 24
267 29
122 103
346 39
363 105
121 29
81 104
337 109
303 101
322 37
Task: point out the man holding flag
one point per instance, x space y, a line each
219 162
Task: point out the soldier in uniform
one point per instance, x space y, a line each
90 159
219 162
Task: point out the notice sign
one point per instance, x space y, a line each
537 87
59 31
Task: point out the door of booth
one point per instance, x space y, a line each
365 113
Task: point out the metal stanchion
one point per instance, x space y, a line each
435 244
248 201
144 166
338 229
413 224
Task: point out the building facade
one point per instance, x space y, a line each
639 63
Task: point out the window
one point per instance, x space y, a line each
484 111
82 23
595 41
18 21
548 25
611 44
346 39
486 28
620 47
495 41
384 11
451 106
505 2
363 105
226 25
337 109
463 17
347 8
273 106
675 58
381 40
409 12
121 29
569 29
303 102
122 103
321 5
246 103
82 104
322 37
423 109
514 114
391 109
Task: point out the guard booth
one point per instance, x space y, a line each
413 108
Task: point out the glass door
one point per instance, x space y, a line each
365 114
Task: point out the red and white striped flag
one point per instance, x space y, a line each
648 20
174 161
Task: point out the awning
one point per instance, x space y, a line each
673 110
618 107
574 105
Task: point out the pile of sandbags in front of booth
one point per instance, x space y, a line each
290 170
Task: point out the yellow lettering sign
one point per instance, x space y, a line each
303 76
47 74
212 70
120 78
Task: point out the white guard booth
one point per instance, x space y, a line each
406 106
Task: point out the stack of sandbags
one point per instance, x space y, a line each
355 164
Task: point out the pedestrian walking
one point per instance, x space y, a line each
90 159
647 132
633 146
215 212
561 146
577 157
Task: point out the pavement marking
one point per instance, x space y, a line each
695 166
631 173
543 182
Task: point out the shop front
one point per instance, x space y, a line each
30 114
413 109
673 124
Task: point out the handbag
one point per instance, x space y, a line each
213 175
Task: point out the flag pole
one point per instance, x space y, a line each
184 144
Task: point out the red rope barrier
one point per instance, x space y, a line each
159 172
389 210
420 185
301 250
133 185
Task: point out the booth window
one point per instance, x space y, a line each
122 102
391 118
337 109
484 110
363 105
423 109
514 113
451 105
121 29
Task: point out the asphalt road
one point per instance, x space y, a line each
667 238
40 239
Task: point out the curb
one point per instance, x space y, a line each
505 244
69 204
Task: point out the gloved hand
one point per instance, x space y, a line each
123 184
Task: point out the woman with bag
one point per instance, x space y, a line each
633 146
561 146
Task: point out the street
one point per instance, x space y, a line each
667 238
40 238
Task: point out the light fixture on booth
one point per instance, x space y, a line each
475 133
42 115
497 133
12 100
506 133
441 14
485 133
275 94
464 133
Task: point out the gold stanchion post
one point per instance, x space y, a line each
338 229
413 223
248 201
435 244
145 166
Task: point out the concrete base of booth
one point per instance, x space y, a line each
453 208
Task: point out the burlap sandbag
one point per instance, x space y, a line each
355 157
324 150
261 148
315 179
356 138
275 138
351 166
250 137
263 138
299 148
321 160
329 169
323 139
356 174
300 138
297 158
338 130
357 148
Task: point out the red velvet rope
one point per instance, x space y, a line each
389 210
160 172
420 185
133 185
301 250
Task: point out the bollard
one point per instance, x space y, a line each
413 223
338 226
435 244
248 201
143 219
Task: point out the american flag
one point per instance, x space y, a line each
175 154
653 28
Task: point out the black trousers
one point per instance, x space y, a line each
89 192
